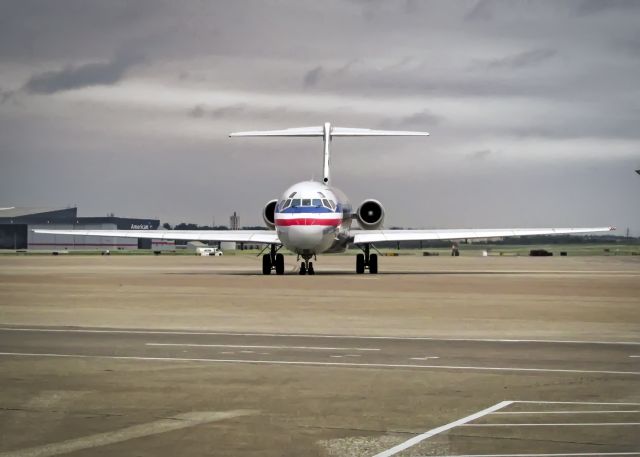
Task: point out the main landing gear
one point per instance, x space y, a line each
306 267
366 260
273 261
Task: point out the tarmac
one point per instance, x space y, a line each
204 356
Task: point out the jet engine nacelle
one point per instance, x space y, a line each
370 214
269 214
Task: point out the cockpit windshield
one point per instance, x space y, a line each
308 203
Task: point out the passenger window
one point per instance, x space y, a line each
295 202
306 202
317 202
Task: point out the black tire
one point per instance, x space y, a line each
279 264
303 269
266 264
311 271
360 264
373 264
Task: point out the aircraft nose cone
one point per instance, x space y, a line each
306 237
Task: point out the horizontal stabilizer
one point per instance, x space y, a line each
333 131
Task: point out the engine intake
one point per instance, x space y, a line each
370 214
269 214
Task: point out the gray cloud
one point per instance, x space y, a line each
79 76
521 59
481 11
200 111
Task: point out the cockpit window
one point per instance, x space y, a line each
325 203
316 202
286 204
333 205
306 202
292 194
295 202
321 194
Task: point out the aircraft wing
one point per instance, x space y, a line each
377 236
240 236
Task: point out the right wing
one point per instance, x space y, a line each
377 236
239 236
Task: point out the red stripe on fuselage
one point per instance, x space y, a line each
307 221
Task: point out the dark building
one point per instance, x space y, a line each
16 226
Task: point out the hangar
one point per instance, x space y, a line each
16 224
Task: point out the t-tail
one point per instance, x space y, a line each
327 132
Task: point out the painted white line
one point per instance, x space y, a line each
312 348
416 439
541 455
302 362
569 412
634 356
307 335
136 431
570 424
574 402
424 358
336 356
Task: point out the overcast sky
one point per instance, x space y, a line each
126 106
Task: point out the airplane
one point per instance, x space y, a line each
312 218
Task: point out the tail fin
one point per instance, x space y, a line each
327 132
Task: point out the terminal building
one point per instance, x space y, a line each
17 223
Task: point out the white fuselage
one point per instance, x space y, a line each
312 218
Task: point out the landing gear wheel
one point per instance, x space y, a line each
310 269
303 269
373 264
279 264
360 264
266 264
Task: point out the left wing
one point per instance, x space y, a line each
377 236
239 236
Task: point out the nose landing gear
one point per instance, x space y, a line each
273 261
366 260
306 267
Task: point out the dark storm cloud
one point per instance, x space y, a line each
544 86
587 7
200 111
481 11
422 120
79 76
482 154
522 59
312 77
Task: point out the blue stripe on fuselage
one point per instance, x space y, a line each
306 209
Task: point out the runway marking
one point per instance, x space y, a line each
305 335
542 455
572 424
424 358
568 412
177 422
634 356
417 439
302 362
313 348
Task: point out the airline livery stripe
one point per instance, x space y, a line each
307 221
